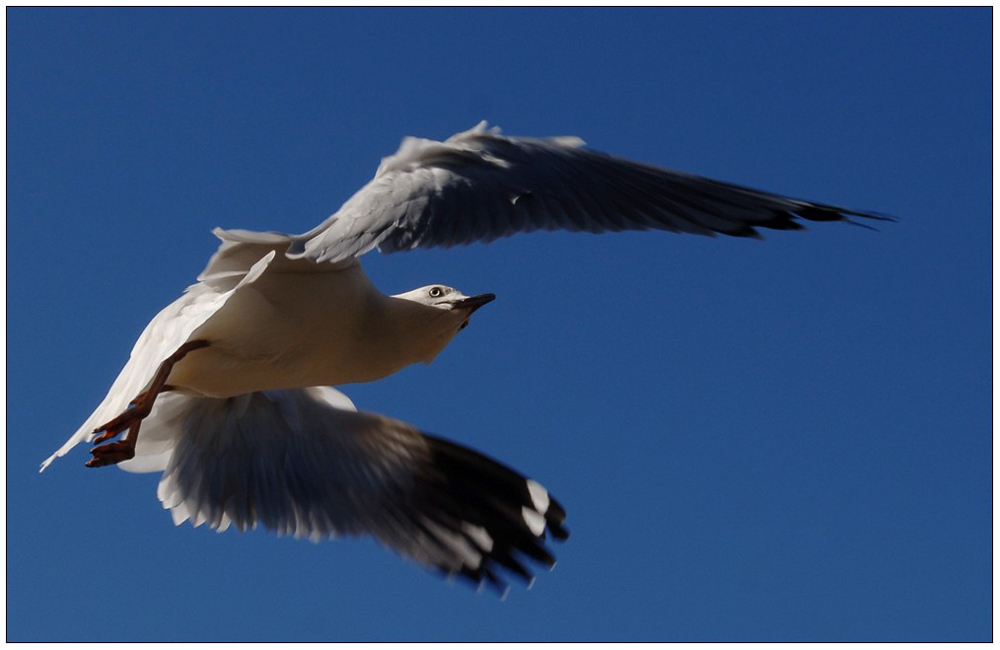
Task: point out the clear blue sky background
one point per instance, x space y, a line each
777 440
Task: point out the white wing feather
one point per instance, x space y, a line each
169 330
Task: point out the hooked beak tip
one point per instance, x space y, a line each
475 302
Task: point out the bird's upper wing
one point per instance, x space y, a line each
299 462
479 185
240 249
168 330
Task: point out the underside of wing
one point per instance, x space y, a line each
298 463
479 185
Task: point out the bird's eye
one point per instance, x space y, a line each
436 292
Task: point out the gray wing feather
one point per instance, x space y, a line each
300 463
479 185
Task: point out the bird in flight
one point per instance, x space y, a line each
230 383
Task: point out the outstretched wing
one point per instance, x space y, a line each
300 463
479 185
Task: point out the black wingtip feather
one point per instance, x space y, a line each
748 232
464 486
817 212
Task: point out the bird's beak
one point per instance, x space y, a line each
473 303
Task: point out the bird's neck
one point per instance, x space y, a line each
414 332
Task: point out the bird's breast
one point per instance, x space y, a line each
292 330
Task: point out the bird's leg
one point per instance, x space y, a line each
131 418
111 429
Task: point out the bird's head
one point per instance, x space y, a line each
448 299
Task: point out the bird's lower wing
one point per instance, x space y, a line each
298 463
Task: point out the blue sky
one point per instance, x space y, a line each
777 440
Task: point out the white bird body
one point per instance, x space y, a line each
292 329
279 324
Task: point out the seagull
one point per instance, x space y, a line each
305 463
275 312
